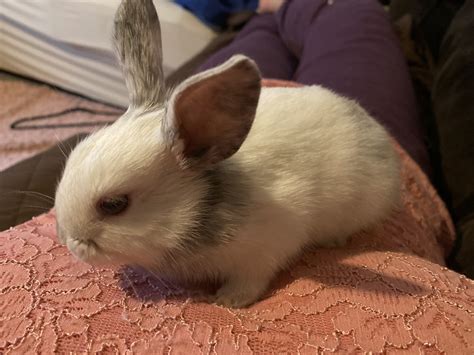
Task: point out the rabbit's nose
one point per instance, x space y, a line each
84 249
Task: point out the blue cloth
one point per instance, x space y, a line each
216 12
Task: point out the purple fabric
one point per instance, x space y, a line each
345 45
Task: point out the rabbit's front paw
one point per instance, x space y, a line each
235 294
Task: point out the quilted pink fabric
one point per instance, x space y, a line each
386 291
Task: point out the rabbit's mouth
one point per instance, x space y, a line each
84 249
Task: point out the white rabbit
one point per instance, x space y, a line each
221 180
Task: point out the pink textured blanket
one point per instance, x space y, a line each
22 99
387 291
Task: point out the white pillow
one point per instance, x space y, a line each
68 43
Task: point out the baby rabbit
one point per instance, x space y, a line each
220 179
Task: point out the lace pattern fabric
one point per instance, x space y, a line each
386 291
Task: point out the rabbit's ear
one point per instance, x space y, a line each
210 114
137 38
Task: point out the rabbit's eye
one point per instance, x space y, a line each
111 206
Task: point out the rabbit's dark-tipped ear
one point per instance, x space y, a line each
137 37
210 114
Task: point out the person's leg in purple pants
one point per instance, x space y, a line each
260 40
347 46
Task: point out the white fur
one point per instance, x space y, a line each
320 167
314 169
